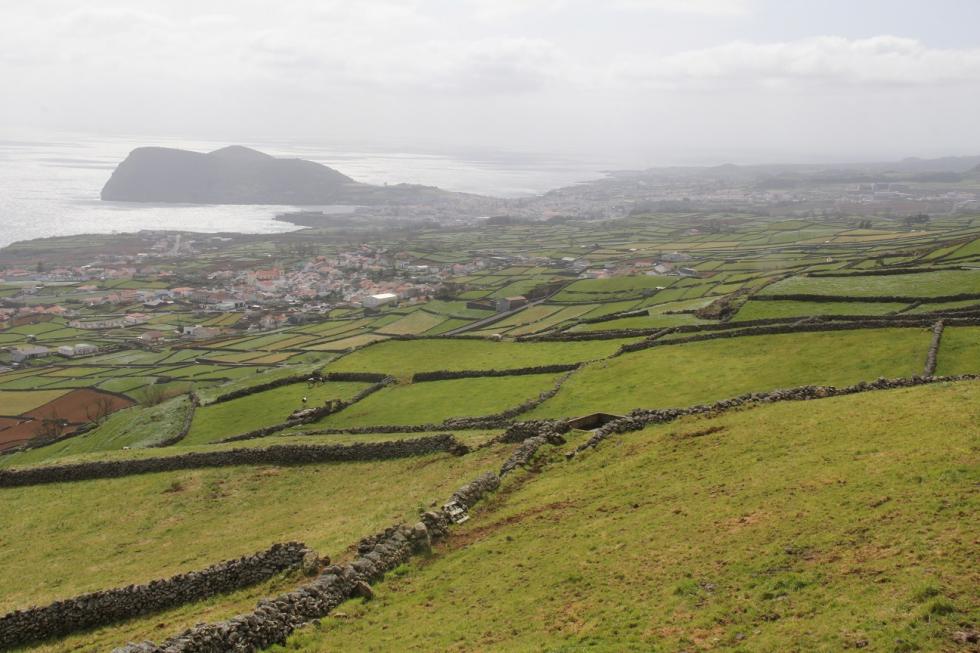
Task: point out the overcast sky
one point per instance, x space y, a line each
653 81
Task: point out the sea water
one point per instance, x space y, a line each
50 186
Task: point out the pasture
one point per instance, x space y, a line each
703 372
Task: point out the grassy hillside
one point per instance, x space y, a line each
819 526
178 521
134 427
698 372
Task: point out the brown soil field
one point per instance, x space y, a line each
15 432
79 406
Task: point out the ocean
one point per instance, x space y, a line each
50 186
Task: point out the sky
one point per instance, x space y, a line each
641 81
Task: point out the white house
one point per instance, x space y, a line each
21 354
374 301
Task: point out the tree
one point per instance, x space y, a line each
51 428
99 410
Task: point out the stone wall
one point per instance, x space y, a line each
886 272
300 454
499 420
314 414
273 620
185 427
445 375
889 299
109 606
932 355
641 418
798 327
357 377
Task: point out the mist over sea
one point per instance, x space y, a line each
50 186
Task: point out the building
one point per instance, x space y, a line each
505 304
151 337
21 354
376 301
198 332
80 349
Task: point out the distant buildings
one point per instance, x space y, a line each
382 299
21 354
505 304
80 349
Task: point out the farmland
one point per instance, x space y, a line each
403 358
435 401
826 524
661 377
253 412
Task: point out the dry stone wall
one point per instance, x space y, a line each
109 606
640 418
887 299
314 414
302 454
273 620
357 377
185 427
798 327
932 355
445 375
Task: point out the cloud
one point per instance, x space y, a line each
507 9
885 60
700 7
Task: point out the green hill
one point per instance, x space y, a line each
828 525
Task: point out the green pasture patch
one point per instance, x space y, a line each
402 358
125 384
435 401
527 315
655 320
959 351
707 371
349 342
564 315
926 284
758 310
944 306
255 411
77 371
447 325
967 251
412 324
259 376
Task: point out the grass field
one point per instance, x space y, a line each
188 520
17 403
959 351
928 284
698 372
818 526
402 358
256 411
757 310
434 401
